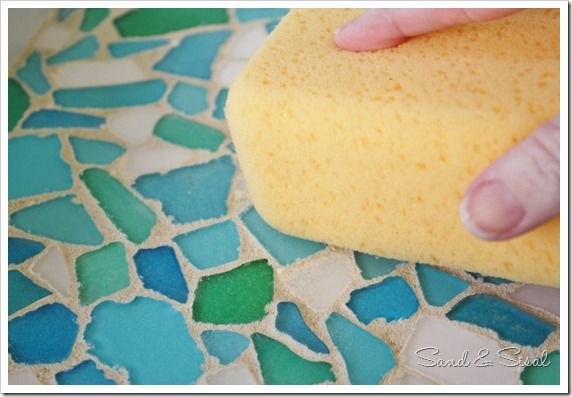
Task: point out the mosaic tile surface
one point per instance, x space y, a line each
136 256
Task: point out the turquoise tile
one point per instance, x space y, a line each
250 14
22 291
82 49
92 18
372 266
188 98
226 346
120 49
31 74
63 13
93 151
20 249
52 118
220 102
270 26
439 287
290 321
85 373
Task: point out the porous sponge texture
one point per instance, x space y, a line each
373 151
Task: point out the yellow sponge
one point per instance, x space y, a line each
373 151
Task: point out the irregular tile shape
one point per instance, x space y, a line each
435 339
290 321
52 118
237 296
85 373
489 279
81 49
52 268
188 133
392 299
508 321
111 96
271 25
31 74
188 98
210 246
35 166
101 272
43 336
546 298
53 38
281 366
146 337
95 73
154 157
438 286
226 346
94 151
20 249
191 193
160 271
284 248
320 283
543 372
23 377
18 103
22 291
63 13
92 18
135 125
220 102
227 70
233 375
372 266
367 357
245 42
204 47
129 214
121 49
152 21
250 14
74 225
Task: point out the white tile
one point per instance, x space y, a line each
135 125
245 42
53 38
153 157
23 377
52 267
435 339
410 378
95 73
227 70
546 298
234 375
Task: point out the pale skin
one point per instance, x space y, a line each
520 190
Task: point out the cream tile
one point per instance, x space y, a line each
52 267
95 73
135 125
233 375
23 377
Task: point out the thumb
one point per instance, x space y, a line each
519 191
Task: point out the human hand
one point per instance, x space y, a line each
521 189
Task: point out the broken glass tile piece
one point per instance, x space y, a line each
63 13
92 18
226 346
250 14
232 375
290 321
52 118
438 286
188 98
94 151
544 370
489 279
547 298
85 373
22 291
372 266
18 103
53 269
20 249
120 49
220 102
188 133
31 74
81 49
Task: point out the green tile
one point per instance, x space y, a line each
188 133
93 17
543 371
18 103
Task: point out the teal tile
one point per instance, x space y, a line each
22 291
94 151
226 346
439 287
372 266
290 321
220 102
82 49
31 74
188 98
120 49
85 373
21 249
92 17
250 14
188 133
52 118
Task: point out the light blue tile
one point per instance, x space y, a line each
52 118
122 49
226 346
31 74
290 321
85 373
93 151
439 287
82 49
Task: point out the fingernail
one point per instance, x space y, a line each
490 209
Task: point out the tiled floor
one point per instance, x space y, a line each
136 256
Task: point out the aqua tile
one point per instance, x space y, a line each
270 26
284 248
43 336
31 74
188 98
250 14
60 219
508 321
85 373
544 370
147 337
94 151
20 249
127 212
220 102
203 46
371 266
489 279
82 49
52 118
160 271
290 321
92 17
210 246
439 287
392 299
18 103
367 358
63 13
111 96
188 133
22 291
226 346
120 49
35 166
192 193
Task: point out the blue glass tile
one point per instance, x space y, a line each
51 118
250 14
392 299
112 96
82 49
373 266
92 151
35 166
146 337
188 98
202 46
439 287
284 248
210 246
508 321
271 25
489 279
367 357
59 219
191 193
290 321
122 49
160 271
63 13
220 102
85 373
227 346
45 335
31 74
20 249
22 291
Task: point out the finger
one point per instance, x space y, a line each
382 28
519 191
